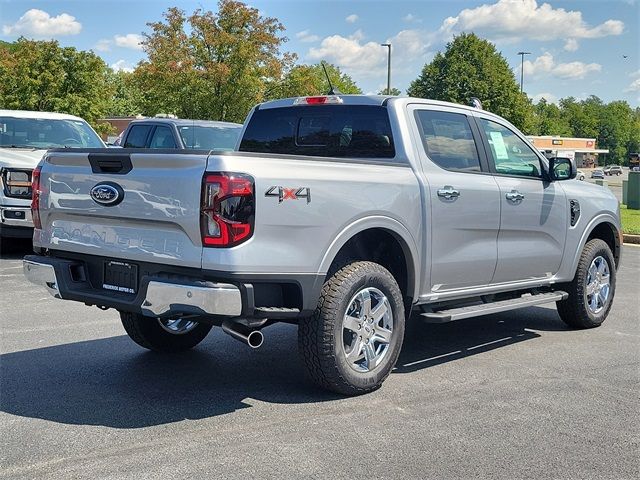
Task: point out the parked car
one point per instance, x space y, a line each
612 170
597 173
24 138
181 134
580 175
340 214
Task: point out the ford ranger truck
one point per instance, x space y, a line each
340 214
24 138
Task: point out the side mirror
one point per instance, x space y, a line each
562 169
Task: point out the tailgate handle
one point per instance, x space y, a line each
117 163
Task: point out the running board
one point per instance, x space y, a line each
526 300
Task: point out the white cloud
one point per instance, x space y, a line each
351 54
512 20
356 56
549 97
411 45
546 65
353 18
411 18
633 86
38 23
103 45
130 40
307 37
122 65
571 45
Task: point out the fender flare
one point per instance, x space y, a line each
593 223
395 228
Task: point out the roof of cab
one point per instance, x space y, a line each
38 115
186 122
366 100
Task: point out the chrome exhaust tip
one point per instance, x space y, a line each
244 334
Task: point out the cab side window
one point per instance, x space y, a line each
448 141
137 136
511 155
162 138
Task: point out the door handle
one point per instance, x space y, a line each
448 192
515 196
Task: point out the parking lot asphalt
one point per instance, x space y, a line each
512 395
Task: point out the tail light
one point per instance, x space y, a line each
35 197
228 209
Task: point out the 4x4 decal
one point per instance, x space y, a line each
284 193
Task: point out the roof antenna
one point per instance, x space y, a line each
332 90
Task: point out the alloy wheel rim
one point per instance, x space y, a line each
177 326
598 285
367 329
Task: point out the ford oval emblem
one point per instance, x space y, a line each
107 194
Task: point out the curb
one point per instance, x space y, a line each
628 238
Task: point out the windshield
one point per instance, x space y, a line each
44 133
210 138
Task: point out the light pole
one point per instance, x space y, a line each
522 54
388 45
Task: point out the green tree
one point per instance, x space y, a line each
583 121
394 91
126 100
211 65
304 80
633 145
550 120
615 128
472 67
41 75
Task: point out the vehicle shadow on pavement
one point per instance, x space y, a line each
112 382
427 345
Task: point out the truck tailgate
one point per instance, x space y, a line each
157 218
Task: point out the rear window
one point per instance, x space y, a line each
210 138
137 136
355 131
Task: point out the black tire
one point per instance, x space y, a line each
320 336
574 310
148 333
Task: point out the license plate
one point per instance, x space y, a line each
120 277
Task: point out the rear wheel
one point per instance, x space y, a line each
352 341
592 289
167 336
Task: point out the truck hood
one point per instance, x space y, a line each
20 157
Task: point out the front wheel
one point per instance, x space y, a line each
592 289
165 336
352 341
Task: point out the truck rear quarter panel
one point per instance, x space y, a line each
299 235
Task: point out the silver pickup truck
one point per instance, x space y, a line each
341 214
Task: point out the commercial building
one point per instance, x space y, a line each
583 150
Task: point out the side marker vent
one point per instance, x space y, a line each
575 211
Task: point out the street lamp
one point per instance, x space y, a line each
522 54
388 45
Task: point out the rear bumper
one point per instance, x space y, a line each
165 291
160 298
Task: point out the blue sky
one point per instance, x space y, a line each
577 47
